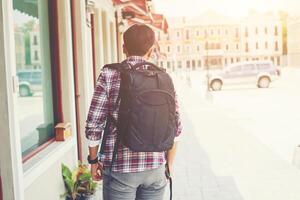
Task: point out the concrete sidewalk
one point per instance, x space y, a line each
218 160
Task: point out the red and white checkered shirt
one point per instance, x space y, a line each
103 103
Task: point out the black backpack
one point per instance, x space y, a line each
146 119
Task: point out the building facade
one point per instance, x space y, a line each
60 48
216 41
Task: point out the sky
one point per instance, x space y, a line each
231 8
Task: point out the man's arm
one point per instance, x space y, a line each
171 153
96 122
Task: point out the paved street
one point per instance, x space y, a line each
272 115
234 162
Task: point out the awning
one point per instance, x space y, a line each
143 14
30 7
137 5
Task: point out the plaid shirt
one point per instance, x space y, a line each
103 103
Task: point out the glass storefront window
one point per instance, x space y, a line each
33 67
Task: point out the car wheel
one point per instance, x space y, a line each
216 85
264 82
24 91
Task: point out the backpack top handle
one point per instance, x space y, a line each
151 65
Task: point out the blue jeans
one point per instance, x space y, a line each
147 185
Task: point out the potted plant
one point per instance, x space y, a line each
79 183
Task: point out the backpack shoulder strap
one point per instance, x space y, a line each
116 66
150 65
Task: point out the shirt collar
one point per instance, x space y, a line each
134 60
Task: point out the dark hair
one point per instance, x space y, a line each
138 39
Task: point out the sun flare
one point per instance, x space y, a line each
232 8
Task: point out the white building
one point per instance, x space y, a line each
216 41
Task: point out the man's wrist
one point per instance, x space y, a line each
92 160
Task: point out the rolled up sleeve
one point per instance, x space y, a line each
98 110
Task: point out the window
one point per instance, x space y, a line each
266 30
161 63
187 34
263 65
225 61
178 34
276 31
212 31
237 46
205 33
193 63
178 49
246 47
226 32
219 32
169 49
34 103
266 45
231 59
238 59
188 64
35 40
256 30
227 47
197 33
257 46
235 68
198 48
276 46
248 67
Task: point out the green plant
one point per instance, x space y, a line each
78 183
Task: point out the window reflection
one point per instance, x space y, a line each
34 109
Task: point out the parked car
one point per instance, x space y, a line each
30 81
261 73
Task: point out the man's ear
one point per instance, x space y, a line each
125 50
148 54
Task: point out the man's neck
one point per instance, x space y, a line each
139 57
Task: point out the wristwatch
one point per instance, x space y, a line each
94 161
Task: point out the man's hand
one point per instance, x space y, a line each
170 157
97 168
96 171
